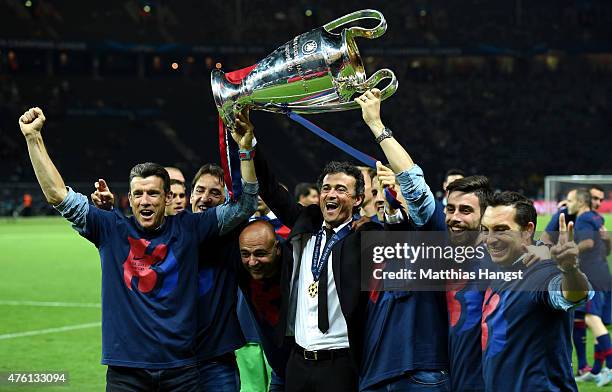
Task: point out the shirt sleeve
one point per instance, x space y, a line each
421 201
553 223
556 298
584 230
231 214
74 208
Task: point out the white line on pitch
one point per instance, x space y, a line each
48 330
51 304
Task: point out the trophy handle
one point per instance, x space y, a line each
376 78
360 31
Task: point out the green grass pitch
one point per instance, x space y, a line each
49 304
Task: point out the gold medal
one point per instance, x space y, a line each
313 289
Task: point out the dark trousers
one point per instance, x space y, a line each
219 374
125 379
415 381
329 375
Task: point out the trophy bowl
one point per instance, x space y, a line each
318 71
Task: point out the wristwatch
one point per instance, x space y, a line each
386 133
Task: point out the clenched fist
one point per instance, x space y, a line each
31 122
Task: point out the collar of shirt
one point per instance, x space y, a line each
337 229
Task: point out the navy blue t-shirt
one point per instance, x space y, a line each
552 228
464 302
526 341
219 330
405 331
593 261
247 321
149 287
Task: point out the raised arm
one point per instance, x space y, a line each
420 199
51 182
244 138
230 215
280 201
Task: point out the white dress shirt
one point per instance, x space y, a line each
307 333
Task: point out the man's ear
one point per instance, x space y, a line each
529 231
358 201
168 198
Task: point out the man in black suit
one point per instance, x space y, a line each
322 305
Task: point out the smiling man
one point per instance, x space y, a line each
322 305
261 255
179 198
207 188
259 250
466 202
529 315
149 266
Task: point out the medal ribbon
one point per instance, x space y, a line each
319 262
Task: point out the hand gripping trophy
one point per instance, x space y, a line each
319 71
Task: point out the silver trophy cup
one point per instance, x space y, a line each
319 71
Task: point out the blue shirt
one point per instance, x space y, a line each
593 261
526 333
150 278
247 320
552 228
464 302
407 331
219 330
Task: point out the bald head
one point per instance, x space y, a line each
259 249
175 174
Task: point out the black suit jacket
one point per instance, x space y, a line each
346 259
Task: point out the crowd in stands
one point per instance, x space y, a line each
516 24
541 114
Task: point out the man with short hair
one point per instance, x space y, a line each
149 266
321 301
207 188
466 202
593 262
306 194
219 331
551 232
530 311
177 177
550 236
220 326
179 198
597 196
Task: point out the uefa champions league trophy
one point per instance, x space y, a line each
319 71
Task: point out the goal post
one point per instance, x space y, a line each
556 187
